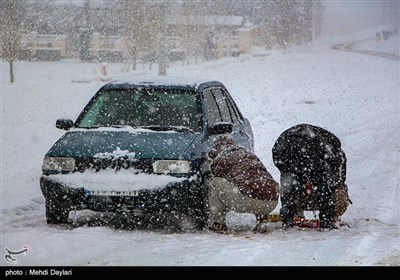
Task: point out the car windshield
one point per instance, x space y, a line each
156 109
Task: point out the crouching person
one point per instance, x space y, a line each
313 174
240 182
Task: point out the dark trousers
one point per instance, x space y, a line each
292 187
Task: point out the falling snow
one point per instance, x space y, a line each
354 95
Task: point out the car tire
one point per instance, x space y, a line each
201 220
179 222
201 214
55 213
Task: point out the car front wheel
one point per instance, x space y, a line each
55 213
179 222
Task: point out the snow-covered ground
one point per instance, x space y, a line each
356 96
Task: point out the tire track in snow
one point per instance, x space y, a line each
29 215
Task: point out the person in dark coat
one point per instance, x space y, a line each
240 182
313 174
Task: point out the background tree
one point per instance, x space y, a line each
12 15
290 21
200 28
87 12
317 13
308 22
186 30
132 27
160 26
147 36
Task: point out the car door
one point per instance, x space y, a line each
221 108
243 126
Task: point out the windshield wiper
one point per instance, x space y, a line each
167 128
98 126
118 125
151 127
89 127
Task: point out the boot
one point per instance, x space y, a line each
287 218
219 228
262 224
328 224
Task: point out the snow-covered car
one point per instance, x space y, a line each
139 147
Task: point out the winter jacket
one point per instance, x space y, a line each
243 168
311 153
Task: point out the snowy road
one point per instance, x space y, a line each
353 95
352 47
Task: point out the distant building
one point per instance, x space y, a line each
43 47
218 35
104 48
205 37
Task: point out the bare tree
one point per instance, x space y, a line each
87 12
186 31
11 28
264 16
290 21
160 26
317 14
132 27
147 32
308 14
152 35
198 28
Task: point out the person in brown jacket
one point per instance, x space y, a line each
240 182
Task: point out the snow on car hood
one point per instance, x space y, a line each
142 143
109 180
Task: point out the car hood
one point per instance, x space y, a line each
140 144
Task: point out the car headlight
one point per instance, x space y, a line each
171 166
58 164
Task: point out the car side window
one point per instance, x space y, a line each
212 110
236 115
222 105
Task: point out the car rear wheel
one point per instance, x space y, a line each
55 213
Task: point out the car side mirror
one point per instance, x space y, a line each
220 128
64 124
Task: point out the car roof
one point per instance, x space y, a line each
182 83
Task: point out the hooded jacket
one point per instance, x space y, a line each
243 168
310 150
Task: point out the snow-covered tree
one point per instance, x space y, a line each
12 15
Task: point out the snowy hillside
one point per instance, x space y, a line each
356 96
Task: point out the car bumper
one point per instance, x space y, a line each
187 196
